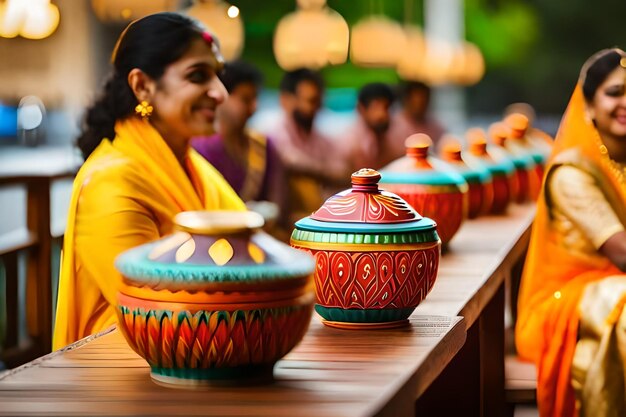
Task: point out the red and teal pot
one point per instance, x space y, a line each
519 125
214 301
527 178
376 257
429 185
477 177
501 169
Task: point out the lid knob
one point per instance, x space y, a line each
477 141
499 133
417 145
518 123
365 179
451 150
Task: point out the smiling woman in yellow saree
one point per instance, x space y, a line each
573 286
163 91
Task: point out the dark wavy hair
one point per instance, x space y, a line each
149 44
597 68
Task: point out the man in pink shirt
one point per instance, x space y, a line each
367 143
315 168
413 117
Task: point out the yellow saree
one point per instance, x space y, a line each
555 276
125 194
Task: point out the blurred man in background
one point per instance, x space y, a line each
414 116
367 143
315 169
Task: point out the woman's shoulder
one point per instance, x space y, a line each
108 168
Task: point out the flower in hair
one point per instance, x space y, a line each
208 38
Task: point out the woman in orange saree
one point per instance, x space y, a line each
571 295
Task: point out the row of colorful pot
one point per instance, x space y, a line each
219 300
483 179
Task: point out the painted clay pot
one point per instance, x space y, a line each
429 185
376 257
477 177
215 301
528 181
519 125
501 169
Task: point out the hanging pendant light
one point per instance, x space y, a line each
224 20
411 63
36 19
313 36
377 41
128 10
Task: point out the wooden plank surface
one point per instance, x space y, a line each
331 372
480 256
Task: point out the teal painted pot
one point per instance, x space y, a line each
527 175
501 168
429 185
376 257
215 301
478 178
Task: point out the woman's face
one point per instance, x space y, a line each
188 93
608 107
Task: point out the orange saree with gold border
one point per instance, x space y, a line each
555 276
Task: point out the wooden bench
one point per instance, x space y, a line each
36 242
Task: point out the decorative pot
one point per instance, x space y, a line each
376 257
215 301
519 125
528 181
501 168
477 177
429 185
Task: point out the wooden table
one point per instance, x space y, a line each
331 372
485 255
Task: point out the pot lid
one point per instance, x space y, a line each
365 208
451 152
417 167
213 247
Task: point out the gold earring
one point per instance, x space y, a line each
144 109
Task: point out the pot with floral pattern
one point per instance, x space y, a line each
376 257
215 301
429 185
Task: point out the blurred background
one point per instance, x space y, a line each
478 55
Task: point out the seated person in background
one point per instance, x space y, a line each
572 321
414 116
140 170
367 144
247 159
315 169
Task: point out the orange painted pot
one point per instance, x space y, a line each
215 301
501 168
477 176
429 185
526 173
376 257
